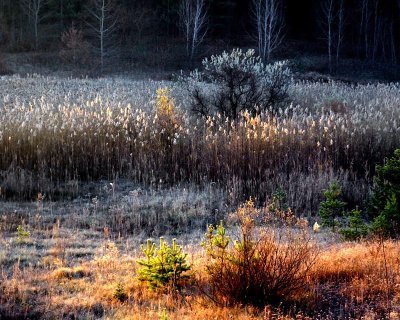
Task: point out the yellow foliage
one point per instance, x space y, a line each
165 104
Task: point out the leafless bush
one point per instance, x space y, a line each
237 82
265 266
75 49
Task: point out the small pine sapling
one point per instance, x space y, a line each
279 200
332 208
120 294
163 267
356 228
22 234
387 223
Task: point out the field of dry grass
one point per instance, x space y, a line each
91 169
65 269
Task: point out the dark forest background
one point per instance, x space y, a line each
147 32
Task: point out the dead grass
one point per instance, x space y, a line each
359 278
81 132
76 255
352 280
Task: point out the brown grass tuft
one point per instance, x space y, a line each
71 273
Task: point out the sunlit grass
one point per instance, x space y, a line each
336 133
361 278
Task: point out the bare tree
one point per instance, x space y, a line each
33 9
365 26
103 12
377 27
142 18
328 26
340 27
193 22
332 25
270 25
377 31
393 43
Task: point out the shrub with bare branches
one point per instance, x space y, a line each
75 49
263 266
235 82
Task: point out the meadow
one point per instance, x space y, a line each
89 169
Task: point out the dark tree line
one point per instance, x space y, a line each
364 29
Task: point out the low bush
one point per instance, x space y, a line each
263 266
235 82
70 273
22 234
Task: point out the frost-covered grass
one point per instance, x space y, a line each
55 133
38 90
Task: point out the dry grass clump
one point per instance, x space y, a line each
71 273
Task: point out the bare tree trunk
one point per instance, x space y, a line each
193 23
328 11
186 22
62 14
32 9
366 24
36 23
102 9
105 21
361 28
270 24
330 36
340 31
376 28
393 43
